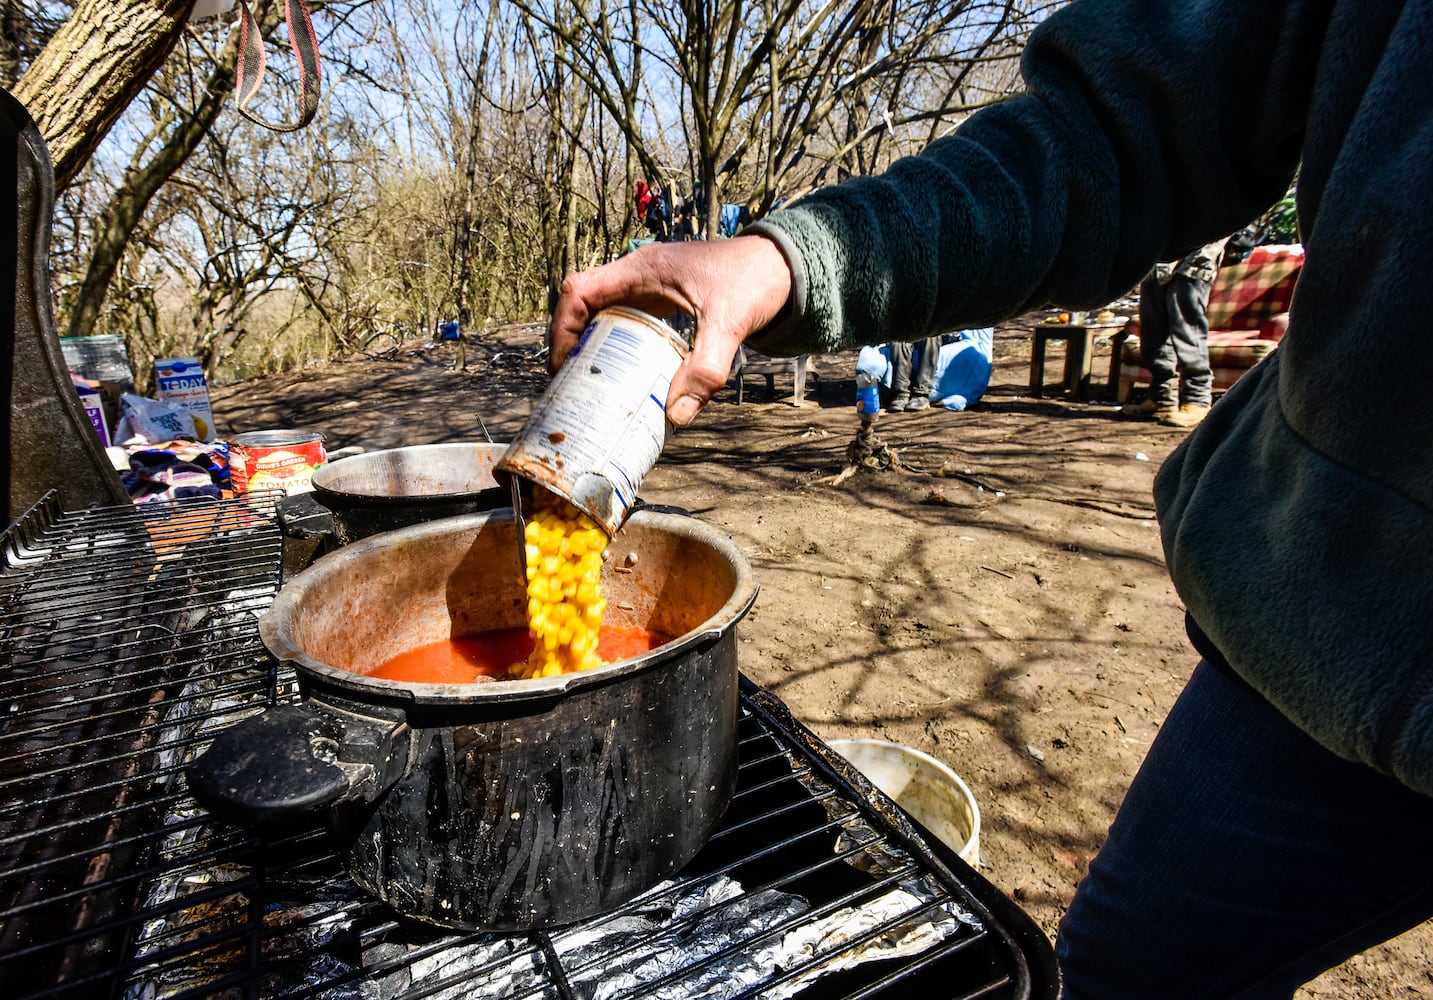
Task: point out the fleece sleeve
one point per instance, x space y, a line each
1147 127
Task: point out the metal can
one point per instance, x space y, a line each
602 423
868 394
273 460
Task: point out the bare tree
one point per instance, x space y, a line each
25 28
781 83
472 154
180 123
487 122
241 262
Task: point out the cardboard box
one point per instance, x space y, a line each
94 408
182 381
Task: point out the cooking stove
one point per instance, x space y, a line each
129 638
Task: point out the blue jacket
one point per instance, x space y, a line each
1296 519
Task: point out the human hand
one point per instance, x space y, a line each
732 287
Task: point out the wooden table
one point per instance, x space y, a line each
1079 341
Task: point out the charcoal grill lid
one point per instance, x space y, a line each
54 447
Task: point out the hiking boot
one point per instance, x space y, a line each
917 403
1148 408
1187 415
898 404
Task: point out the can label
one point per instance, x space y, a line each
602 423
275 460
868 399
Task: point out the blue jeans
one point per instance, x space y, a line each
1245 860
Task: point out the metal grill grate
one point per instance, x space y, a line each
129 638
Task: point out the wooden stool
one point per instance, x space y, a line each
1079 347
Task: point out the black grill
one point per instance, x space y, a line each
129 638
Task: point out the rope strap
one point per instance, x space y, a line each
252 61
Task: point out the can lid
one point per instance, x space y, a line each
275 439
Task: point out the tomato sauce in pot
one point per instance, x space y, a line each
465 659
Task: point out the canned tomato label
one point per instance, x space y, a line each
275 460
600 426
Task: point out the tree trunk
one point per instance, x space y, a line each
95 65
141 184
468 216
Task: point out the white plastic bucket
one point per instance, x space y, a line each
922 786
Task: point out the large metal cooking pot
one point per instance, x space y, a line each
504 805
384 490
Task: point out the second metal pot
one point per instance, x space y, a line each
383 490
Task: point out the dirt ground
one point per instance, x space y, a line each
999 600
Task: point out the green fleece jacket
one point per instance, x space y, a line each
1296 518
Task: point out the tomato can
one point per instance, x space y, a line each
599 428
274 460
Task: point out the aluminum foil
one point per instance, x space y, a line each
669 946
323 937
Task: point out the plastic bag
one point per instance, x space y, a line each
153 421
963 369
876 362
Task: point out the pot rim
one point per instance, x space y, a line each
735 608
351 498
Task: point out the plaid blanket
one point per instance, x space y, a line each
1248 307
1248 294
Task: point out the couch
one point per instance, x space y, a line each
1248 314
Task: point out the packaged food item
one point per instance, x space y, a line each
602 423
153 421
89 393
181 381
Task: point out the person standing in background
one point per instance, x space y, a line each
654 216
641 198
1174 339
684 222
699 210
912 373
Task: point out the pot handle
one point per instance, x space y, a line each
658 508
290 763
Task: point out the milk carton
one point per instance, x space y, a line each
182 381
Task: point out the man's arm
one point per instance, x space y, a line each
1148 127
